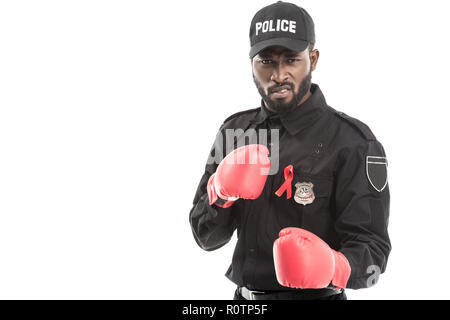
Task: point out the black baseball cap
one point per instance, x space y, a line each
281 24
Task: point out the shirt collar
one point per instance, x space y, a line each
300 117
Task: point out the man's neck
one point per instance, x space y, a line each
305 97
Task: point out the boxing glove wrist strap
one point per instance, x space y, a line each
223 203
216 198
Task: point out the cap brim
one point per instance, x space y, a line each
292 44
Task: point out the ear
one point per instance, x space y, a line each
314 57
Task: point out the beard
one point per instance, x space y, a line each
280 106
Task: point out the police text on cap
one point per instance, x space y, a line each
281 25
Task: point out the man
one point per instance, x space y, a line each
316 223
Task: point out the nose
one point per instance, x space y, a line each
279 74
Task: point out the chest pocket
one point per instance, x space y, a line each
312 194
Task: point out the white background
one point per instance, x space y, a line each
108 110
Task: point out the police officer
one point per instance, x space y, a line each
315 222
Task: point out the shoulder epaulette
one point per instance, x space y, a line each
358 125
241 113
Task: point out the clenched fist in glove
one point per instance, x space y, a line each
241 174
303 260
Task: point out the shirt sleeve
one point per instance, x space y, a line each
362 212
212 226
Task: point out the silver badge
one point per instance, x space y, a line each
304 193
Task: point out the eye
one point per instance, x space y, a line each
266 61
292 60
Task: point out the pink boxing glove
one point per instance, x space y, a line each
303 260
241 174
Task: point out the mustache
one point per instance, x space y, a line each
273 88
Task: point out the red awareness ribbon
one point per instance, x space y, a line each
287 185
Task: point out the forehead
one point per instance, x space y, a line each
277 51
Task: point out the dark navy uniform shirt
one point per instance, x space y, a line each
346 166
